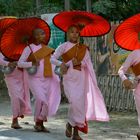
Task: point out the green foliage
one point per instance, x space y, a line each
15 7
116 9
103 6
76 5
51 6
111 9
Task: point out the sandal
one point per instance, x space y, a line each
68 132
138 135
38 128
76 137
15 126
44 129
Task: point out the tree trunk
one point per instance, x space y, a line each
67 5
88 5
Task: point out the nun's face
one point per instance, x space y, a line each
40 36
73 35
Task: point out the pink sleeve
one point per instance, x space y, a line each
123 69
58 52
23 59
2 61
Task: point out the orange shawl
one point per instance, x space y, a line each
136 69
77 52
43 53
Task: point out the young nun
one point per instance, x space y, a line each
80 85
44 84
133 62
17 84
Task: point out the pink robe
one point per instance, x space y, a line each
17 84
81 89
46 90
132 59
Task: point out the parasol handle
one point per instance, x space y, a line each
27 43
30 48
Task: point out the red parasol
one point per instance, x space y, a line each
5 23
127 34
19 35
91 24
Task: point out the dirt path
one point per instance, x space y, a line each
123 126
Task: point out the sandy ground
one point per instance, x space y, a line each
123 126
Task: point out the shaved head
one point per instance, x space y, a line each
37 31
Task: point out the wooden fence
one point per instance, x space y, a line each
117 98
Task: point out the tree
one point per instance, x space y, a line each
16 7
111 9
50 6
116 9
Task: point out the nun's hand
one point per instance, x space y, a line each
63 68
128 84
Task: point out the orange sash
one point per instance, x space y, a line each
136 69
43 53
76 53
